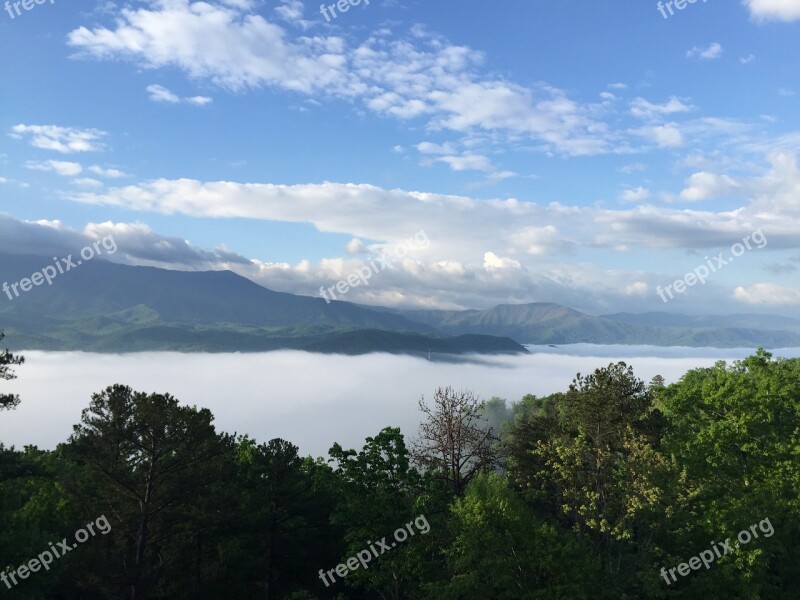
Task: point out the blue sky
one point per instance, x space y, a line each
577 152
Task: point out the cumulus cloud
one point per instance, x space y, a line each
527 261
767 293
710 52
467 162
492 262
644 109
137 243
107 172
88 182
199 100
158 93
467 226
773 10
404 79
638 288
66 140
704 185
637 194
664 136
63 168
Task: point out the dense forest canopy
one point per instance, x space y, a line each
613 488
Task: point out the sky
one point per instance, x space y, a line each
580 152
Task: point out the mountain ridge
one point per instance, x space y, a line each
111 307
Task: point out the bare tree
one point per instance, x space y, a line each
6 359
455 443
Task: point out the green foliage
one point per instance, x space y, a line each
602 486
501 550
381 492
147 461
282 522
8 401
735 439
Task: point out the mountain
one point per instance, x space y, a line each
743 321
110 307
545 323
530 323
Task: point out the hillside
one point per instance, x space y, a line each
546 323
109 307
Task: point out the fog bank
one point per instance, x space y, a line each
311 400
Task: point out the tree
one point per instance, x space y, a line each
734 436
380 492
497 414
455 443
282 517
8 401
150 463
656 383
501 550
598 462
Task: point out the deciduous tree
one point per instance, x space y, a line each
455 442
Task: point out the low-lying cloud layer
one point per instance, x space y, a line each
347 399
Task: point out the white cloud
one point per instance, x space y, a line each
158 93
431 148
637 194
767 293
773 10
540 240
465 225
493 262
199 100
66 140
356 246
704 185
88 182
713 51
665 136
109 173
746 60
633 168
467 162
644 109
422 78
291 10
638 288
564 252
63 168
